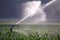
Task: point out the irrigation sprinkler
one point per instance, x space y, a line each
11 28
30 14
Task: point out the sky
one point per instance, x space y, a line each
8 8
13 9
53 11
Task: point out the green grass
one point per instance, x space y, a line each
5 34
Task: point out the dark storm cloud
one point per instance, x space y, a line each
8 9
53 11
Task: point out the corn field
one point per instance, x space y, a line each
6 34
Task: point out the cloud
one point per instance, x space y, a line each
53 11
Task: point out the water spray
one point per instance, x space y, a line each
30 9
33 11
43 7
46 5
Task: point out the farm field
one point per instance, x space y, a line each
30 32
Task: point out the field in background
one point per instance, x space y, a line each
34 28
37 28
30 32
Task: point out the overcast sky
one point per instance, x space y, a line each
53 11
8 9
